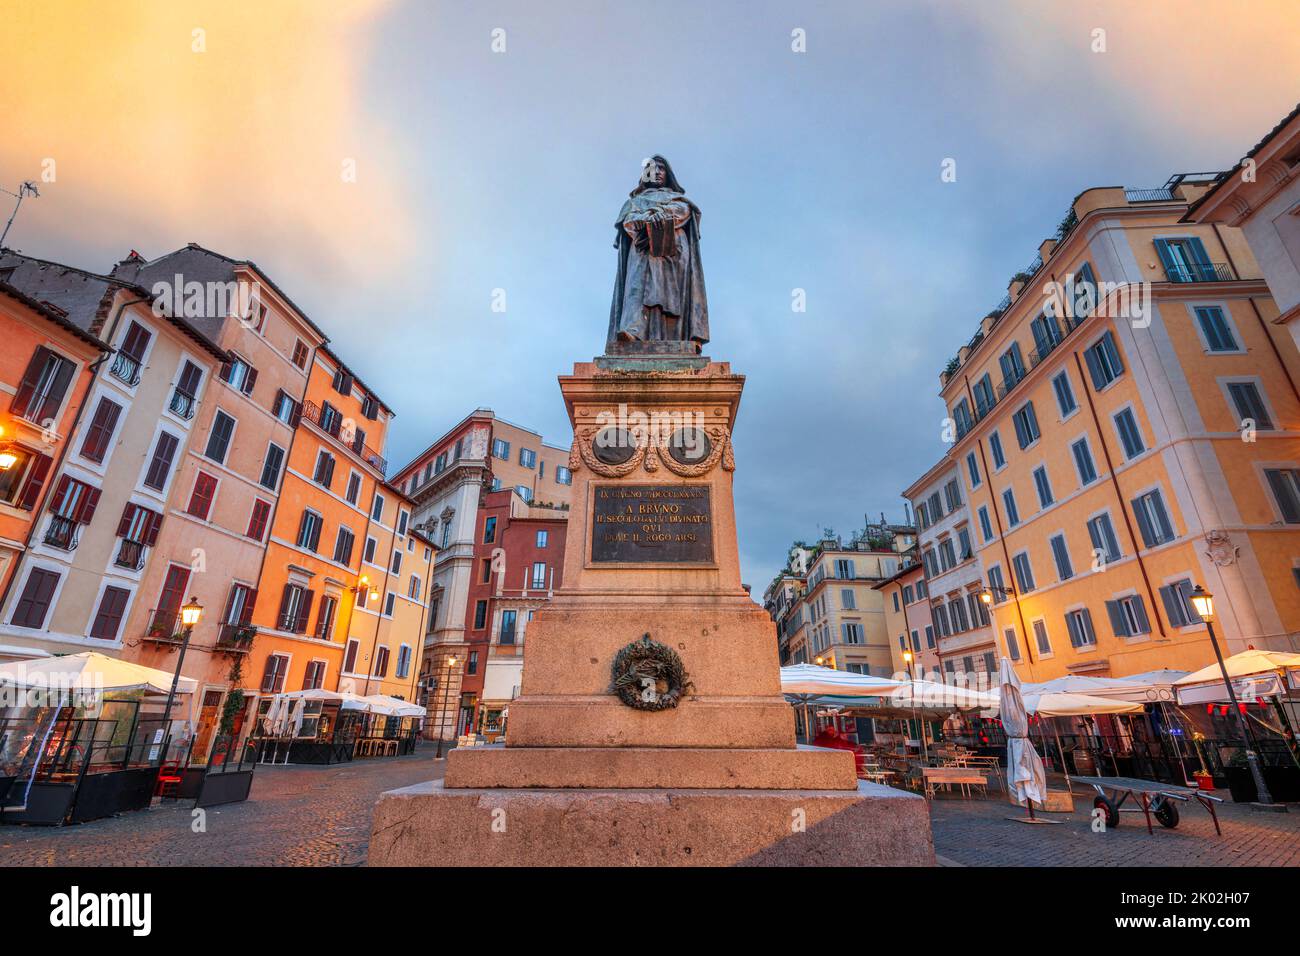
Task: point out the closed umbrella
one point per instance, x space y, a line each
1026 779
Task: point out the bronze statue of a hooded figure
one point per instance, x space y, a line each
659 290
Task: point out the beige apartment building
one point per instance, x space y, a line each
81 579
909 624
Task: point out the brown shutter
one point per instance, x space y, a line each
60 385
284 609
249 603
304 612
152 528
35 481
250 380
124 526
31 378
60 493
86 510
268 675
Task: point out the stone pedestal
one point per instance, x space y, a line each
589 777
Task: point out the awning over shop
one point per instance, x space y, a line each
1253 674
89 672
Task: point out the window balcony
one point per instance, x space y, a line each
332 425
62 533
130 555
125 369
236 638
1200 272
183 403
165 627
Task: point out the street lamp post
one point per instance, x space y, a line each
446 693
1203 601
190 615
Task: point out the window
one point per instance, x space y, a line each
961 415
295 608
99 433
1013 646
952 495
963 544
413 588
350 657
986 527
1040 637
1250 404
309 530
390 600
524 492
1130 436
1009 502
1104 364
285 408
539 574
271 466
480 615
34 602
238 374
160 465
1083 463
331 421
1043 485
1285 485
130 354
1102 534
377 507
508 621
929 636
343 546
972 469
185 397
851 632
40 394
984 399
500 449
1026 423
369 554
542 538
370 407
402 518
205 489
1185 260
108 619
74 503
1047 333
527 457
997 585
1215 328
1064 394
1024 572
1128 616
300 353
397 562
239 605
940 614
1178 606
342 382
1061 555
223 427
995 448
258 519
979 614
277 669
1013 366
324 473
138 529
489 530
1079 623
845 569
563 476
471 665
403 661
1153 520
313 677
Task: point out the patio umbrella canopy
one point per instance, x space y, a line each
1075 705
90 671
809 680
1026 778
927 695
393 706
1253 674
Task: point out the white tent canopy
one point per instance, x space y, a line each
1253 674
932 696
1075 705
809 680
393 706
1142 688
90 671
348 701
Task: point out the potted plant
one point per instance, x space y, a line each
1204 779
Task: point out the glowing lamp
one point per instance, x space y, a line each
1203 601
191 612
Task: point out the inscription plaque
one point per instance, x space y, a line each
652 524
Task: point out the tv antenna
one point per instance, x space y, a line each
28 188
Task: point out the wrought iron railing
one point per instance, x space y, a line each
130 555
164 626
62 533
183 403
236 638
1200 272
1163 194
333 426
125 368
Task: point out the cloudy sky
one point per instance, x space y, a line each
480 168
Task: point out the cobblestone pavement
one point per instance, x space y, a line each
320 816
976 832
295 816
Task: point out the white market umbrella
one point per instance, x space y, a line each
299 711
1073 705
804 683
1026 778
90 671
932 695
394 706
347 700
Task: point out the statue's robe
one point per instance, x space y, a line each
646 283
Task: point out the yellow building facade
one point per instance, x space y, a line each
1126 426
